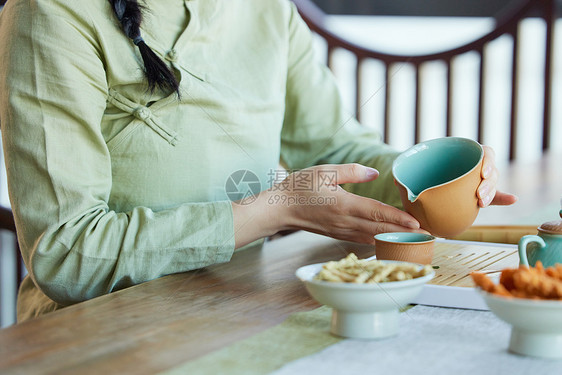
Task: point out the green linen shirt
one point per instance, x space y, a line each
112 185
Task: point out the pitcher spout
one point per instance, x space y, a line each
411 196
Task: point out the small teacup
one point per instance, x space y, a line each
405 247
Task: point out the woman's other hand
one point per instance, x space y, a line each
487 193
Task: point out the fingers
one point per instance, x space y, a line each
350 217
348 173
372 228
504 199
487 193
487 189
378 212
358 219
488 162
361 230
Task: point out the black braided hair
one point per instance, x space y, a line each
129 14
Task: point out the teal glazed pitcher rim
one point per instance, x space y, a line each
415 176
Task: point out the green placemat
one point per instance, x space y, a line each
300 335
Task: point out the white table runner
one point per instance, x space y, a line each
431 340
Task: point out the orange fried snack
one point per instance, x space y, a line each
524 282
506 278
484 282
555 272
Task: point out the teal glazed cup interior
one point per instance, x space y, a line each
437 180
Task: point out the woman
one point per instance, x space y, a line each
121 127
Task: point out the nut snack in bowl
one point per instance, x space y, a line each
530 299
365 295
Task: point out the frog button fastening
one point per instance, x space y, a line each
142 113
172 55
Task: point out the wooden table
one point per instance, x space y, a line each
174 319
166 322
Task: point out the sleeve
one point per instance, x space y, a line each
317 129
53 92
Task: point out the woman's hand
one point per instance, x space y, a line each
312 200
487 193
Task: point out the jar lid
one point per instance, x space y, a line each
552 227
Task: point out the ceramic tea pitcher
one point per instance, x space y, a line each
437 180
546 246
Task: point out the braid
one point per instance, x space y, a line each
129 14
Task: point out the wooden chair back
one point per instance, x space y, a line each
507 24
